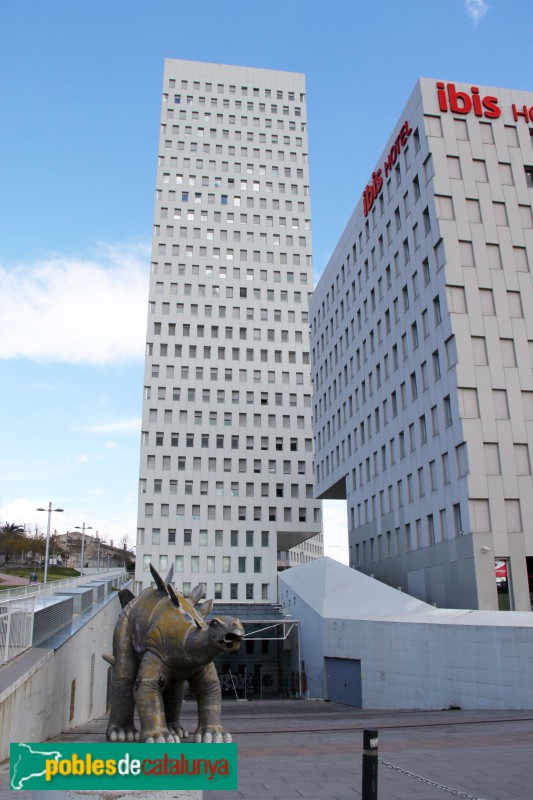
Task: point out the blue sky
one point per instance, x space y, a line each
80 98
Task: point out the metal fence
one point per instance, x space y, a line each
50 588
17 609
16 626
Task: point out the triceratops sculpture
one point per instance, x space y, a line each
162 640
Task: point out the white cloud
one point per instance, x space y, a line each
86 309
133 424
24 512
110 525
110 445
476 9
83 458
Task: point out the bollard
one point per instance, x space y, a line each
370 766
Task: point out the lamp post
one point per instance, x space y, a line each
49 509
82 528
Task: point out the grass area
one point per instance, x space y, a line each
54 573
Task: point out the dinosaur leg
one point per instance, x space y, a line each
173 698
150 684
121 727
206 687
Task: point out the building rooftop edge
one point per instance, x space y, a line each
222 66
421 87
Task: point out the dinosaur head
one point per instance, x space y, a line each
226 633
221 633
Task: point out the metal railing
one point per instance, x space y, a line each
50 588
17 608
16 626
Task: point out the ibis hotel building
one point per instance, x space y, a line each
422 353
226 474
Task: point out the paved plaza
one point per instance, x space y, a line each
312 749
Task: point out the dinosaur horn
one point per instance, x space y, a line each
158 580
173 596
125 596
109 659
205 608
168 579
198 625
196 594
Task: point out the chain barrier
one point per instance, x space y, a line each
456 792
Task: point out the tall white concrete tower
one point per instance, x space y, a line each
226 472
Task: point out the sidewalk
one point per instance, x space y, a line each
12 580
312 749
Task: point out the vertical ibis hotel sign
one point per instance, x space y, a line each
450 100
374 188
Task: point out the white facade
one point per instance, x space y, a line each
226 475
422 350
398 652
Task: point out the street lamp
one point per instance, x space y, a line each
49 509
82 528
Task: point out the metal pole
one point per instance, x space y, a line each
82 547
47 542
370 766
50 509
83 528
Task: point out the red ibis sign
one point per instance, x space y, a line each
500 568
482 105
373 189
463 102
450 99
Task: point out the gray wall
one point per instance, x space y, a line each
419 664
36 690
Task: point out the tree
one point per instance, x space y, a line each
36 544
128 555
11 529
13 540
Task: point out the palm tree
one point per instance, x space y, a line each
12 529
13 539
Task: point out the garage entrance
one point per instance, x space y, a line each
344 681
